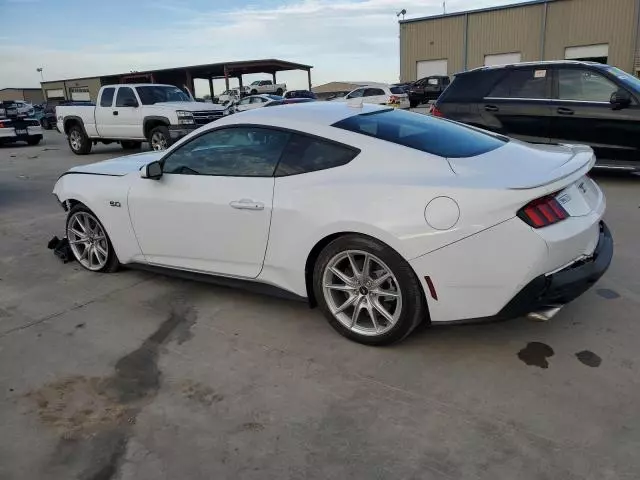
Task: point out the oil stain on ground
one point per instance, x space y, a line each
590 359
536 354
607 293
94 415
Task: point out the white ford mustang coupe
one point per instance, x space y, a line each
381 217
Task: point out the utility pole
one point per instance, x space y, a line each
39 69
444 7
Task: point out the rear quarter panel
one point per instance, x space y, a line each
86 113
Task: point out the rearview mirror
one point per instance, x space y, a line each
130 102
152 170
620 99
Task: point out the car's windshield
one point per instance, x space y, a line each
423 132
158 93
629 80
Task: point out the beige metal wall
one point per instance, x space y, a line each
590 22
431 40
569 23
93 84
33 96
505 31
8 94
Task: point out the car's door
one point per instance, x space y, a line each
375 95
243 104
104 118
357 93
211 209
127 115
519 104
582 113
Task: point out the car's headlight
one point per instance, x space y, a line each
185 118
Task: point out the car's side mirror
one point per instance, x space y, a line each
130 102
152 170
620 99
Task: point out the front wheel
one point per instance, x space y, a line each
159 138
279 92
44 123
34 140
367 291
79 143
89 241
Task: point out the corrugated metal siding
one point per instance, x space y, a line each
431 40
590 22
8 94
505 31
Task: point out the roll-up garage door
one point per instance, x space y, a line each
502 59
426 68
80 94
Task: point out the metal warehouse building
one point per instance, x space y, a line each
599 30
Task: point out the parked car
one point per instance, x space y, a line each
228 96
300 94
553 102
264 86
379 95
134 113
383 218
254 101
25 108
48 119
17 126
426 89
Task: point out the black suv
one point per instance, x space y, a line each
427 88
553 102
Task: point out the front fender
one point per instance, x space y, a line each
106 197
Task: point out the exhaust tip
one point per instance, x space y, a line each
544 315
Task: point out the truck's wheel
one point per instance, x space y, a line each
413 103
159 138
79 143
34 140
130 144
44 123
279 92
254 92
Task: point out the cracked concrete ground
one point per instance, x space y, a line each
138 376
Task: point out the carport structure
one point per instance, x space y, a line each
185 76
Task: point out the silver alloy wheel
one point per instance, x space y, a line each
354 281
158 141
75 139
87 240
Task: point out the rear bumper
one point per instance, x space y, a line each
563 286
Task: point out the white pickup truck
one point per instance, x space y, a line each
264 86
134 113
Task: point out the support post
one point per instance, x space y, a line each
211 88
226 78
309 78
273 75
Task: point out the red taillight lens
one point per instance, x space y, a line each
1 125
435 112
543 212
394 99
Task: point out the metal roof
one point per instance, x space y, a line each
479 10
533 64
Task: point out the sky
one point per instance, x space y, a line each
344 40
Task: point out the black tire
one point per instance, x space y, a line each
254 92
413 103
279 92
130 144
34 140
44 123
112 264
83 147
414 308
159 131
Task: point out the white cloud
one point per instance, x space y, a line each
342 39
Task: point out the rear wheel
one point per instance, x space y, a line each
34 140
130 144
79 143
44 123
89 241
159 138
367 291
279 92
254 92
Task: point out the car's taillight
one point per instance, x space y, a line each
393 99
435 112
1 125
543 212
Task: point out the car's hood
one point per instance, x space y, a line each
119 166
191 106
521 165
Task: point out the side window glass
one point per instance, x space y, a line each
373 92
584 85
230 152
356 93
106 100
522 83
125 94
257 100
307 154
245 101
433 81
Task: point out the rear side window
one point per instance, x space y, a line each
397 90
471 86
423 132
307 154
373 92
522 83
106 100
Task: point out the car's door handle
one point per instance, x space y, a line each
115 112
491 108
247 204
565 111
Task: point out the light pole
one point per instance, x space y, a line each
39 69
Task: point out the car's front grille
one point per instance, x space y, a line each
202 118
